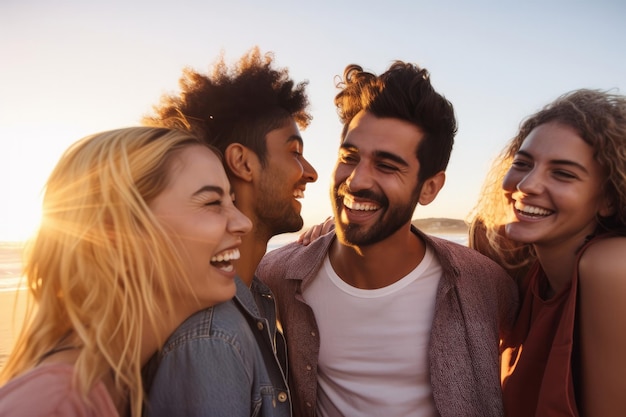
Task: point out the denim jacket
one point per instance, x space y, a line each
223 361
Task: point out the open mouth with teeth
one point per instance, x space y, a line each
298 193
531 211
223 260
350 204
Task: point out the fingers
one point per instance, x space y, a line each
328 225
316 231
310 235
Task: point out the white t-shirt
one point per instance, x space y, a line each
374 343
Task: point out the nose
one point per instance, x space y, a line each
360 178
238 223
309 173
530 183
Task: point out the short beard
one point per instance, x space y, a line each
277 222
392 219
276 216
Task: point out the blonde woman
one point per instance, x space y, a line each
138 232
553 213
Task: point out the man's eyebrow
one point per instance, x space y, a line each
378 154
566 162
392 157
209 188
348 147
295 138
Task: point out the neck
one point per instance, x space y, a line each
558 257
558 263
381 264
253 247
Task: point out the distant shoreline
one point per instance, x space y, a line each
452 229
441 225
433 225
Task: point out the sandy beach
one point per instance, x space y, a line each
12 307
12 300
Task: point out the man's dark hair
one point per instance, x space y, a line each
235 105
403 92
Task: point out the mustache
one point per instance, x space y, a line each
342 190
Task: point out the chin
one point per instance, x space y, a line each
289 226
513 232
294 222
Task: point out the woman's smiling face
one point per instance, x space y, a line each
196 208
554 187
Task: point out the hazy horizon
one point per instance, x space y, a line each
304 228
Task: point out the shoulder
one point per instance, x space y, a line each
462 257
294 259
274 266
219 338
278 256
603 263
472 272
602 290
604 255
53 382
55 394
221 325
275 260
483 287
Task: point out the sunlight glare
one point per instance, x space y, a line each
24 221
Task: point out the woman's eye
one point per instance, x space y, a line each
520 164
564 174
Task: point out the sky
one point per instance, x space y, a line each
75 67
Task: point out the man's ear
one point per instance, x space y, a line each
431 188
238 160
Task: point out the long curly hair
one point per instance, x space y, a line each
599 117
403 92
100 263
235 105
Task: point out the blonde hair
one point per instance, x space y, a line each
600 120
100 258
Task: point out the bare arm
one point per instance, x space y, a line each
603 329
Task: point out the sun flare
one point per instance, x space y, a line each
20 221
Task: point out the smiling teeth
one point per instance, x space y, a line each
352 205
226 256
532 210
298 194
